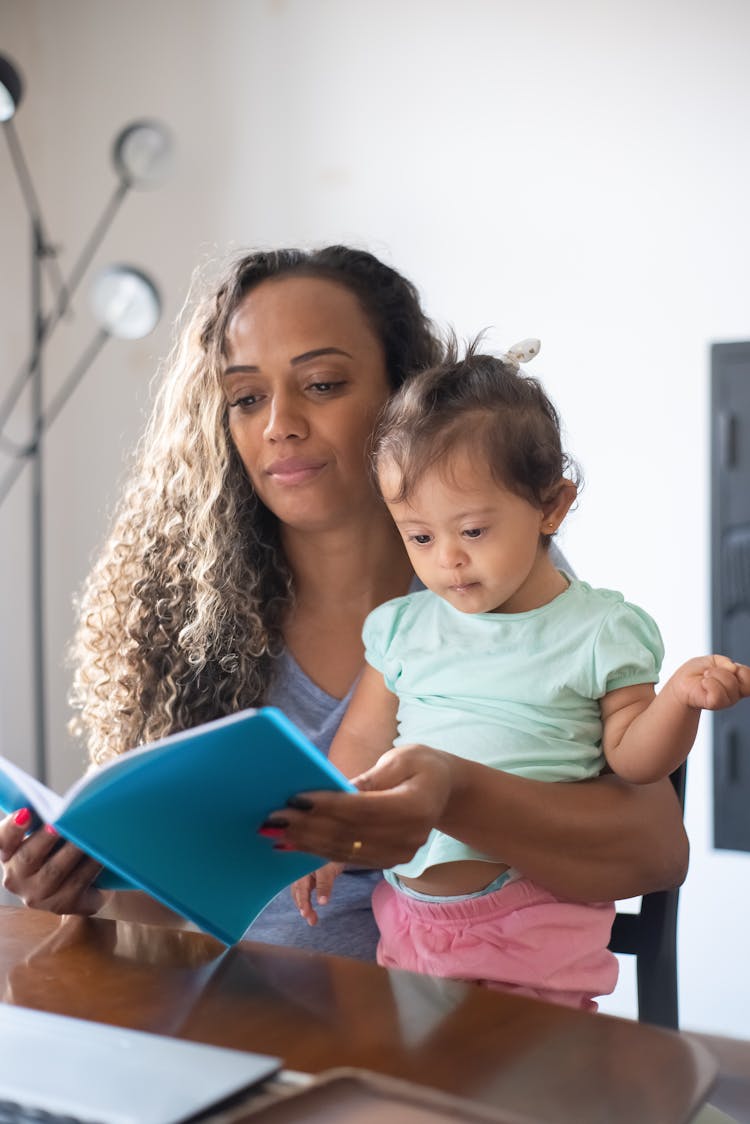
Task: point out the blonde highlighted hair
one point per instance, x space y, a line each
181 617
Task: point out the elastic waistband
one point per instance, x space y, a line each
517 893
440 899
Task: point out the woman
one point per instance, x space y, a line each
247 550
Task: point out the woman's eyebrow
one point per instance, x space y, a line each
245 367
305 357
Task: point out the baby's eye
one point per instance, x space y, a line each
420 540
473 532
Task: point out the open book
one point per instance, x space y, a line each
178 818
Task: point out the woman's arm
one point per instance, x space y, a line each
595 840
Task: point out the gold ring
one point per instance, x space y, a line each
356 847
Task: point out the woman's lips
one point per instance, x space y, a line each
295 470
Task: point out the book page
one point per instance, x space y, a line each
18 789
98 778
179 818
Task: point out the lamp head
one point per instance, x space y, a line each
142 154
125 302
11 88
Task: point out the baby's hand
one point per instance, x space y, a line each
711 682
322 880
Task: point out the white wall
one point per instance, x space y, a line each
576 171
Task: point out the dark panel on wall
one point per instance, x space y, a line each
730 582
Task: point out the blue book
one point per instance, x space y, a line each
178 818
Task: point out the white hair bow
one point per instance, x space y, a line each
522 352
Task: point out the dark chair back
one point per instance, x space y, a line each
651 936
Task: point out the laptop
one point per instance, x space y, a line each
91 1072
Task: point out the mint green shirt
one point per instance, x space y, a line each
515 691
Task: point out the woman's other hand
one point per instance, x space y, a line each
399 800
44 872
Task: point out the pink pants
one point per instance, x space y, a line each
519 938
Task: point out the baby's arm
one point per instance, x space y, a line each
367 730
369 726
646 736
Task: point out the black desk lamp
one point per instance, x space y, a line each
125 303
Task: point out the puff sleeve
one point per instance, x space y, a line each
628 650
378 632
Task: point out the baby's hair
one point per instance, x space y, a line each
482 404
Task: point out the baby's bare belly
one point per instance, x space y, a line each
465 877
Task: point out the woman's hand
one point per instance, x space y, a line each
44 872
400 799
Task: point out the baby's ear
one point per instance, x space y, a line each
558 505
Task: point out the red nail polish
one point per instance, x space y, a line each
282 847
22 817
271 832
50 830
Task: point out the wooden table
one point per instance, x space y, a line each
318 1012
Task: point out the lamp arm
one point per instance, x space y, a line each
12 448
13 473
32 203
63 301
71 382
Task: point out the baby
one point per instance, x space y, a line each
506 660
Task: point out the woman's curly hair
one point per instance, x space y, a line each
181 617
